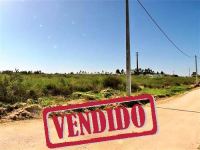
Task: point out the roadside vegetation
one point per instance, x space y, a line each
22 89
17 87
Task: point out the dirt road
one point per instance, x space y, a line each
178 120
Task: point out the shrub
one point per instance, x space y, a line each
33 94
135 87
52 89
113 82
12 89
86 84
83 87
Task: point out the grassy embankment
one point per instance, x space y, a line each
47 89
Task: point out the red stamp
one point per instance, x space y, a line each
99 121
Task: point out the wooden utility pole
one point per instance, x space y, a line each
128 56
137 63
196 69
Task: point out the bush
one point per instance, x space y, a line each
113 82
18 87
135 87
52 89
33 94
83 87
12 89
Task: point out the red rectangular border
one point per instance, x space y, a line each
101 102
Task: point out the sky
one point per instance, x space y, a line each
72 35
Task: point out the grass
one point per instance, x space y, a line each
48 101
50 89
163 92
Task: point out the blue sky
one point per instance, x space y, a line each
72 35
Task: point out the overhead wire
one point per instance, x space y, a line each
164 33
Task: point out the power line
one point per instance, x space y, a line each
165 34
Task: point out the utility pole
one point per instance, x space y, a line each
196 69
128 57
137 64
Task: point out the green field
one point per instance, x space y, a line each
49 89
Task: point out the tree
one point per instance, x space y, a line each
37 72
118 71
194 74
122 71
16 70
